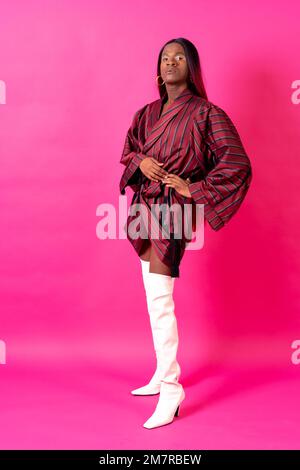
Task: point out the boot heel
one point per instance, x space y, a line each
177 411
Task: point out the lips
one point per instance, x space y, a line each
171 71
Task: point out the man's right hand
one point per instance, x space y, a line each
151 168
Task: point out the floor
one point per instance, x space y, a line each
88 405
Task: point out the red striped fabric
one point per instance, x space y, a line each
195 139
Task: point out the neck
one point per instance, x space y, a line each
173 91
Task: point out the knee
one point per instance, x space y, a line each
146 253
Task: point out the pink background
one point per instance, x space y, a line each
73 309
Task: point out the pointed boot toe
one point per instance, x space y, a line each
165 412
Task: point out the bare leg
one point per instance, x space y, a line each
156 265
145 255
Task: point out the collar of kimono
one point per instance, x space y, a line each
181 95
162 122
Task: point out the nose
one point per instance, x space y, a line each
171 62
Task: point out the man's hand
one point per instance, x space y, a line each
179 184
151 168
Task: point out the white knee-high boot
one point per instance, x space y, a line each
159 290
153 387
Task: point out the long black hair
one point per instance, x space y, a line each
195 81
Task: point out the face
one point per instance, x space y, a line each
173 65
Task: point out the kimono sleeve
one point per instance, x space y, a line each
226 183
131 156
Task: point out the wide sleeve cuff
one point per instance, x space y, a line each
210 213
132 175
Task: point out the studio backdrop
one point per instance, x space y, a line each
74 328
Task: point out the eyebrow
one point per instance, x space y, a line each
178 52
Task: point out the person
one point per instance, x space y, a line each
180 149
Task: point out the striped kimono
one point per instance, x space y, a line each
197 140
